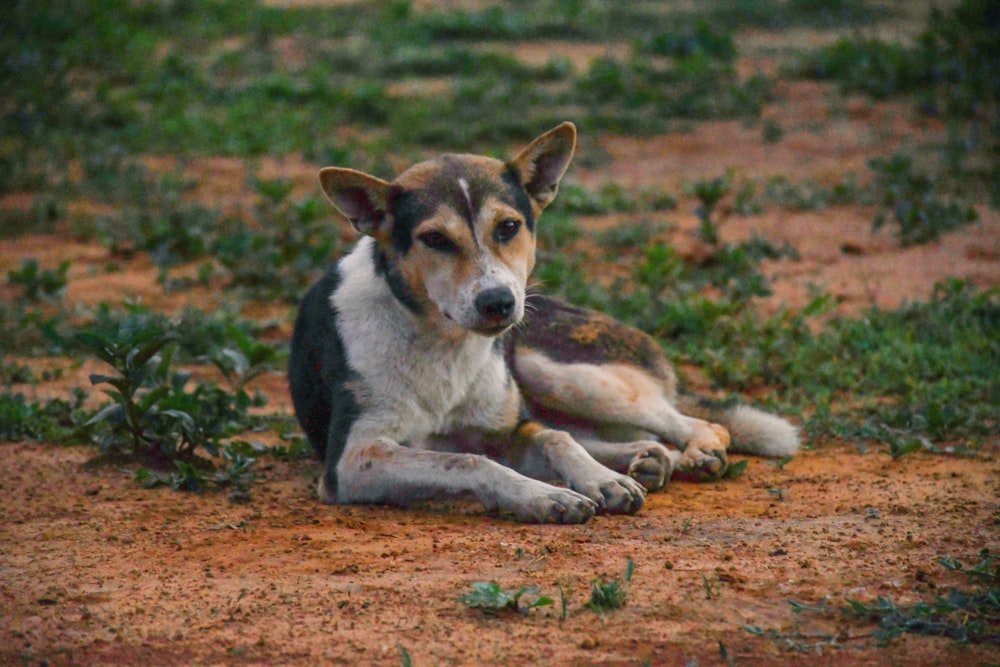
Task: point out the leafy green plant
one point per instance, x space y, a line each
492 599
920 213
56 420
37 283
613 594
735 469
152 414
709 193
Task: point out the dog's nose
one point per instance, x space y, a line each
496 303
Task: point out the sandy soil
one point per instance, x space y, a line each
96 570
99 571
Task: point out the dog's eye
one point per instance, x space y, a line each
438 241
506 230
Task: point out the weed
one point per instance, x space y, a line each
37 283
629 235
710 586
404 655
41 218
965 616
736 469
898 448
772 132
56 420
709 193
781 463
916 207
153 416
563 603
235 476
492 599
291 244
613 594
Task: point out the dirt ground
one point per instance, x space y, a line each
96 570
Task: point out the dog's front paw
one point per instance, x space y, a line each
614 494
555 506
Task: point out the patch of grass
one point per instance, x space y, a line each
609 595
611 198
923 371
41 218
491 599
629 235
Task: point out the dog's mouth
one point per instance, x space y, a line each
492 327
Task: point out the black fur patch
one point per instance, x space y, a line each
399 287
319 376
408 209
520 197
568 335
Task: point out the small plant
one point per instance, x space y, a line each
404 655
914 203
735 469
57 420
899 447
709 193
492 599
710 586
37 283
236 476
608 595
154 417
772 132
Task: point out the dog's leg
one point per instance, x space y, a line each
546 453
378 470
617 397
646 461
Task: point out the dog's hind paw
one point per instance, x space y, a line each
651 467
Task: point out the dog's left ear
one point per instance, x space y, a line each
360 197
541 165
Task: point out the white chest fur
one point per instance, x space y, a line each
416 382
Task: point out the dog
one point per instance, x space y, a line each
422 367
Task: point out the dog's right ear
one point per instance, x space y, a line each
360 197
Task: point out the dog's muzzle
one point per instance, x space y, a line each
495 308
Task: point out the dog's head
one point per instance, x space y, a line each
455 236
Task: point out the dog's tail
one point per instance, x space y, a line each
753 431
